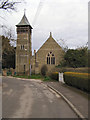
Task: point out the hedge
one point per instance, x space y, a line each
54 76
79 70
78 80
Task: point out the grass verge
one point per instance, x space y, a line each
43 78
29 77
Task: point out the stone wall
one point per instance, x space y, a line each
23 52
41 56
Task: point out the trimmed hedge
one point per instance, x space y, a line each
78 80
54 76
78 70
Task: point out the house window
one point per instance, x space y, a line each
51 58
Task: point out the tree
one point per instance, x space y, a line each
62 43
9 33
76 58
8 54
8 4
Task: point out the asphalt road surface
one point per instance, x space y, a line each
32 99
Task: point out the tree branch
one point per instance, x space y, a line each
7 4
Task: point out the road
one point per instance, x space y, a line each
32 99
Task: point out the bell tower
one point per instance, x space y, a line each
23 48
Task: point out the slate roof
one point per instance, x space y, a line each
24 21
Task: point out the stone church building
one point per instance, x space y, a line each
49 54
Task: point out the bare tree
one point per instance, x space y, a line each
9 33
8 4
62 43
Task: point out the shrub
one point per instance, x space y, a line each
78 80
54 76
44 70
47 78
9 73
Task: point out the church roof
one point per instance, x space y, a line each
50 41
24 21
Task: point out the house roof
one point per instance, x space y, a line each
24 21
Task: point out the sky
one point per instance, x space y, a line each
66 19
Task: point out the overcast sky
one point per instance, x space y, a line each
66 19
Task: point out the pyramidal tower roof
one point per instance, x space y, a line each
24 21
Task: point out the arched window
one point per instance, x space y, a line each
48 60
51 58
22 47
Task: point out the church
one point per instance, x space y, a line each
49 54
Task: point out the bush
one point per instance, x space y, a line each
54 76
9 73
47 78
78 80
44 70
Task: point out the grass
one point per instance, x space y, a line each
29 77
46 78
